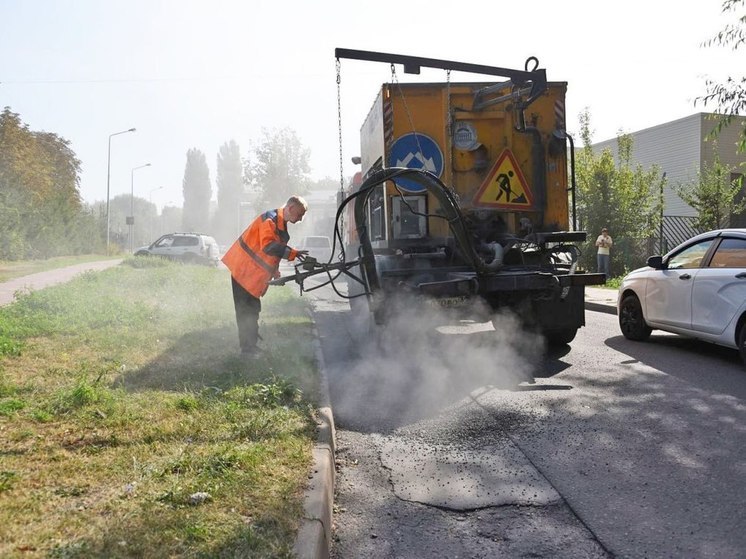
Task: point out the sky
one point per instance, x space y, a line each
200 73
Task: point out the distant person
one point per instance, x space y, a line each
603 256
254 260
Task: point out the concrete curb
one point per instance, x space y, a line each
600 307
314 537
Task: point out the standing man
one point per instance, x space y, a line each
604 243
254 260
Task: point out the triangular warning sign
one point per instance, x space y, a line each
505 186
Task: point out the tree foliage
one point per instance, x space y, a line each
617 195
41 213
197 193
714 194
729 97
229 182
280 167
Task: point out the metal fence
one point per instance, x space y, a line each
676 230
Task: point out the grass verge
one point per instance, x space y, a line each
11 270
131 427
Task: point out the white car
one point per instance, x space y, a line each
189 248
697 290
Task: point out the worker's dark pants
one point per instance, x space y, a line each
248 308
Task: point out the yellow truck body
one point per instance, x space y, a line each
484 157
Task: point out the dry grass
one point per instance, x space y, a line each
131 427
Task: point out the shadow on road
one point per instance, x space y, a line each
702 364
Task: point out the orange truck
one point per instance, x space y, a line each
463 194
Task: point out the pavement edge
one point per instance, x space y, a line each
314 537
600 307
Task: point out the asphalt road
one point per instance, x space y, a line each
617 449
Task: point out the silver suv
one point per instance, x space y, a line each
190 248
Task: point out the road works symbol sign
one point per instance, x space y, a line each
505 186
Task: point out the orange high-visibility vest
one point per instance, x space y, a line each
254 259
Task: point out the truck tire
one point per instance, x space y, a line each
560 337
370 336
631 320
362 324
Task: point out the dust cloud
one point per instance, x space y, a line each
425 358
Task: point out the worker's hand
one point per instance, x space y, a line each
302 255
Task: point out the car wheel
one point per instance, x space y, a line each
631 320
742 343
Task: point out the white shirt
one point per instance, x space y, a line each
604 243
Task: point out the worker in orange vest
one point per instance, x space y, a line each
254 260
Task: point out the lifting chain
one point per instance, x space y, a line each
449 125
339 125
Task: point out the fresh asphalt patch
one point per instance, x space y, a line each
457 479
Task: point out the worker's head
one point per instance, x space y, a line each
295 209
604 230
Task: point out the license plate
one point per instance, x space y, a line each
448 302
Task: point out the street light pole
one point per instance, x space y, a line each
131 218
108 179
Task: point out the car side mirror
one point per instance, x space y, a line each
656 262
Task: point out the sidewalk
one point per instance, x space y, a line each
601 299
41 280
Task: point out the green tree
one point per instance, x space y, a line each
714 195
618 195
197 193
41 213
729 97
229 182
281 167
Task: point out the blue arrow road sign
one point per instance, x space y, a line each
416 151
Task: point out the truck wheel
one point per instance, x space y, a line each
362 325
560 337
366 332
631 320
